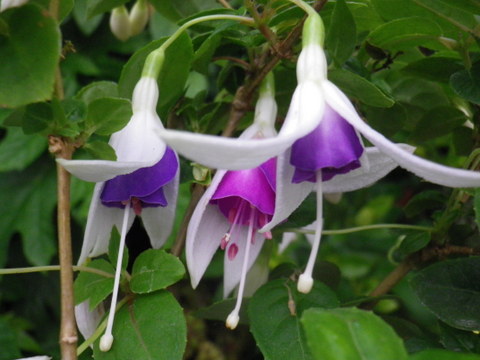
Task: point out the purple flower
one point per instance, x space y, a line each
229 214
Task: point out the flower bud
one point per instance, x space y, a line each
139 15
120 23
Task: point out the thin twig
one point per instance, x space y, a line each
34 269
225 4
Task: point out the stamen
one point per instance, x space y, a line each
234 317
305 281
224 241
232 252
107 339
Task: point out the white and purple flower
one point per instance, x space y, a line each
235 206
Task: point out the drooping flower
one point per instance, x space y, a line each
234 207
143 181
328 128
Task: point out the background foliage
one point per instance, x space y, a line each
412 68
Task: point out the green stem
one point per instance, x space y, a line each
26 270
305 7
99 331
364 228
154 61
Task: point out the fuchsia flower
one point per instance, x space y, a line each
143 181
232 210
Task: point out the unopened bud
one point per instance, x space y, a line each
200 173
139 15
120 23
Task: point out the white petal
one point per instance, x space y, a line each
158 221
205 230
225 153
87 321
379 166
100 222
233 268
288 195
101 170
428 170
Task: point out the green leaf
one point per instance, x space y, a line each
221 309
100 150
151 327
350 333
467 83
98 90
426 200
450 289
107 115
154 270
173 74
404 33
360 88
414 241
95 7
438 121
87 25
449 10
342 35
274 313
94 287
28 200
434 68
17 150
440 354
29 56
8 341
476 206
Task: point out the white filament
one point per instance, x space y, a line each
233 318
305 281
107 338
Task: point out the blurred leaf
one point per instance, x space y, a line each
203 56
17 150
221 309
275 311
476 206
350 333
360 88
404 33
434 68
173 74
438 121
440 354
458 340
410 243
387 121
94 287
28 200
87 25
450 11
150 327
95 7
8 343
100 150
28 55
462 139
425 200
154 270
98 90
108 115
341 35
450 289
467 83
